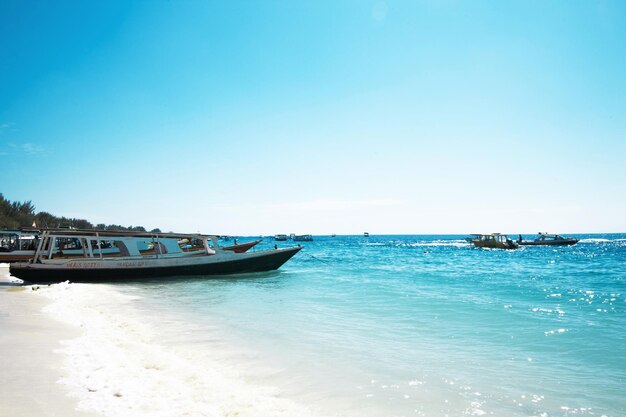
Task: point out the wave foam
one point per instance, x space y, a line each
434 243
118 368
452 243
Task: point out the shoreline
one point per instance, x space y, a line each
316 340
80 347
31 364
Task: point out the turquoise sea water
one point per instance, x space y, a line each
416 326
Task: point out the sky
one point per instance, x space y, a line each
266 117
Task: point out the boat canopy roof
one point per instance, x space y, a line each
10 232
487 234
25 231
550 236
128 234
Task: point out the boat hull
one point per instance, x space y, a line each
564 242
494 245
116 270
16 256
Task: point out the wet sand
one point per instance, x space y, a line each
29 366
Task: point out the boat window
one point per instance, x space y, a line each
27 244
68 243
104 244
8 243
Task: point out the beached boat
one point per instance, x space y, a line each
188 245
545 239
17 245
242 247
20 246
139 255
493 241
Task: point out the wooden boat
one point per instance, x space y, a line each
190 246
493 241
242 247
17 245
20 246
545 239
165 258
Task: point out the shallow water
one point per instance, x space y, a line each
404 326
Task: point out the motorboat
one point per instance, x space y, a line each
281 238
139 255
302 238
546 239
493 241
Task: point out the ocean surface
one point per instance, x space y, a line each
356 326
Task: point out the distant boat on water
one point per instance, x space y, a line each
545 239
281 238
366 234
493 241
302 238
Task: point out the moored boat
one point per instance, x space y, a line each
493 241
242 247
20 246
17 245
545 239
165 258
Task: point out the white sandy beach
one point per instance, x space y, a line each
76 350
29 366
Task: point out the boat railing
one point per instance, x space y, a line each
137 245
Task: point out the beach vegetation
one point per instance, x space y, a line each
16 214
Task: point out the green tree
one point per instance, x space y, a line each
15 214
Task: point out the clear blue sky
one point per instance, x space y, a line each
244 117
